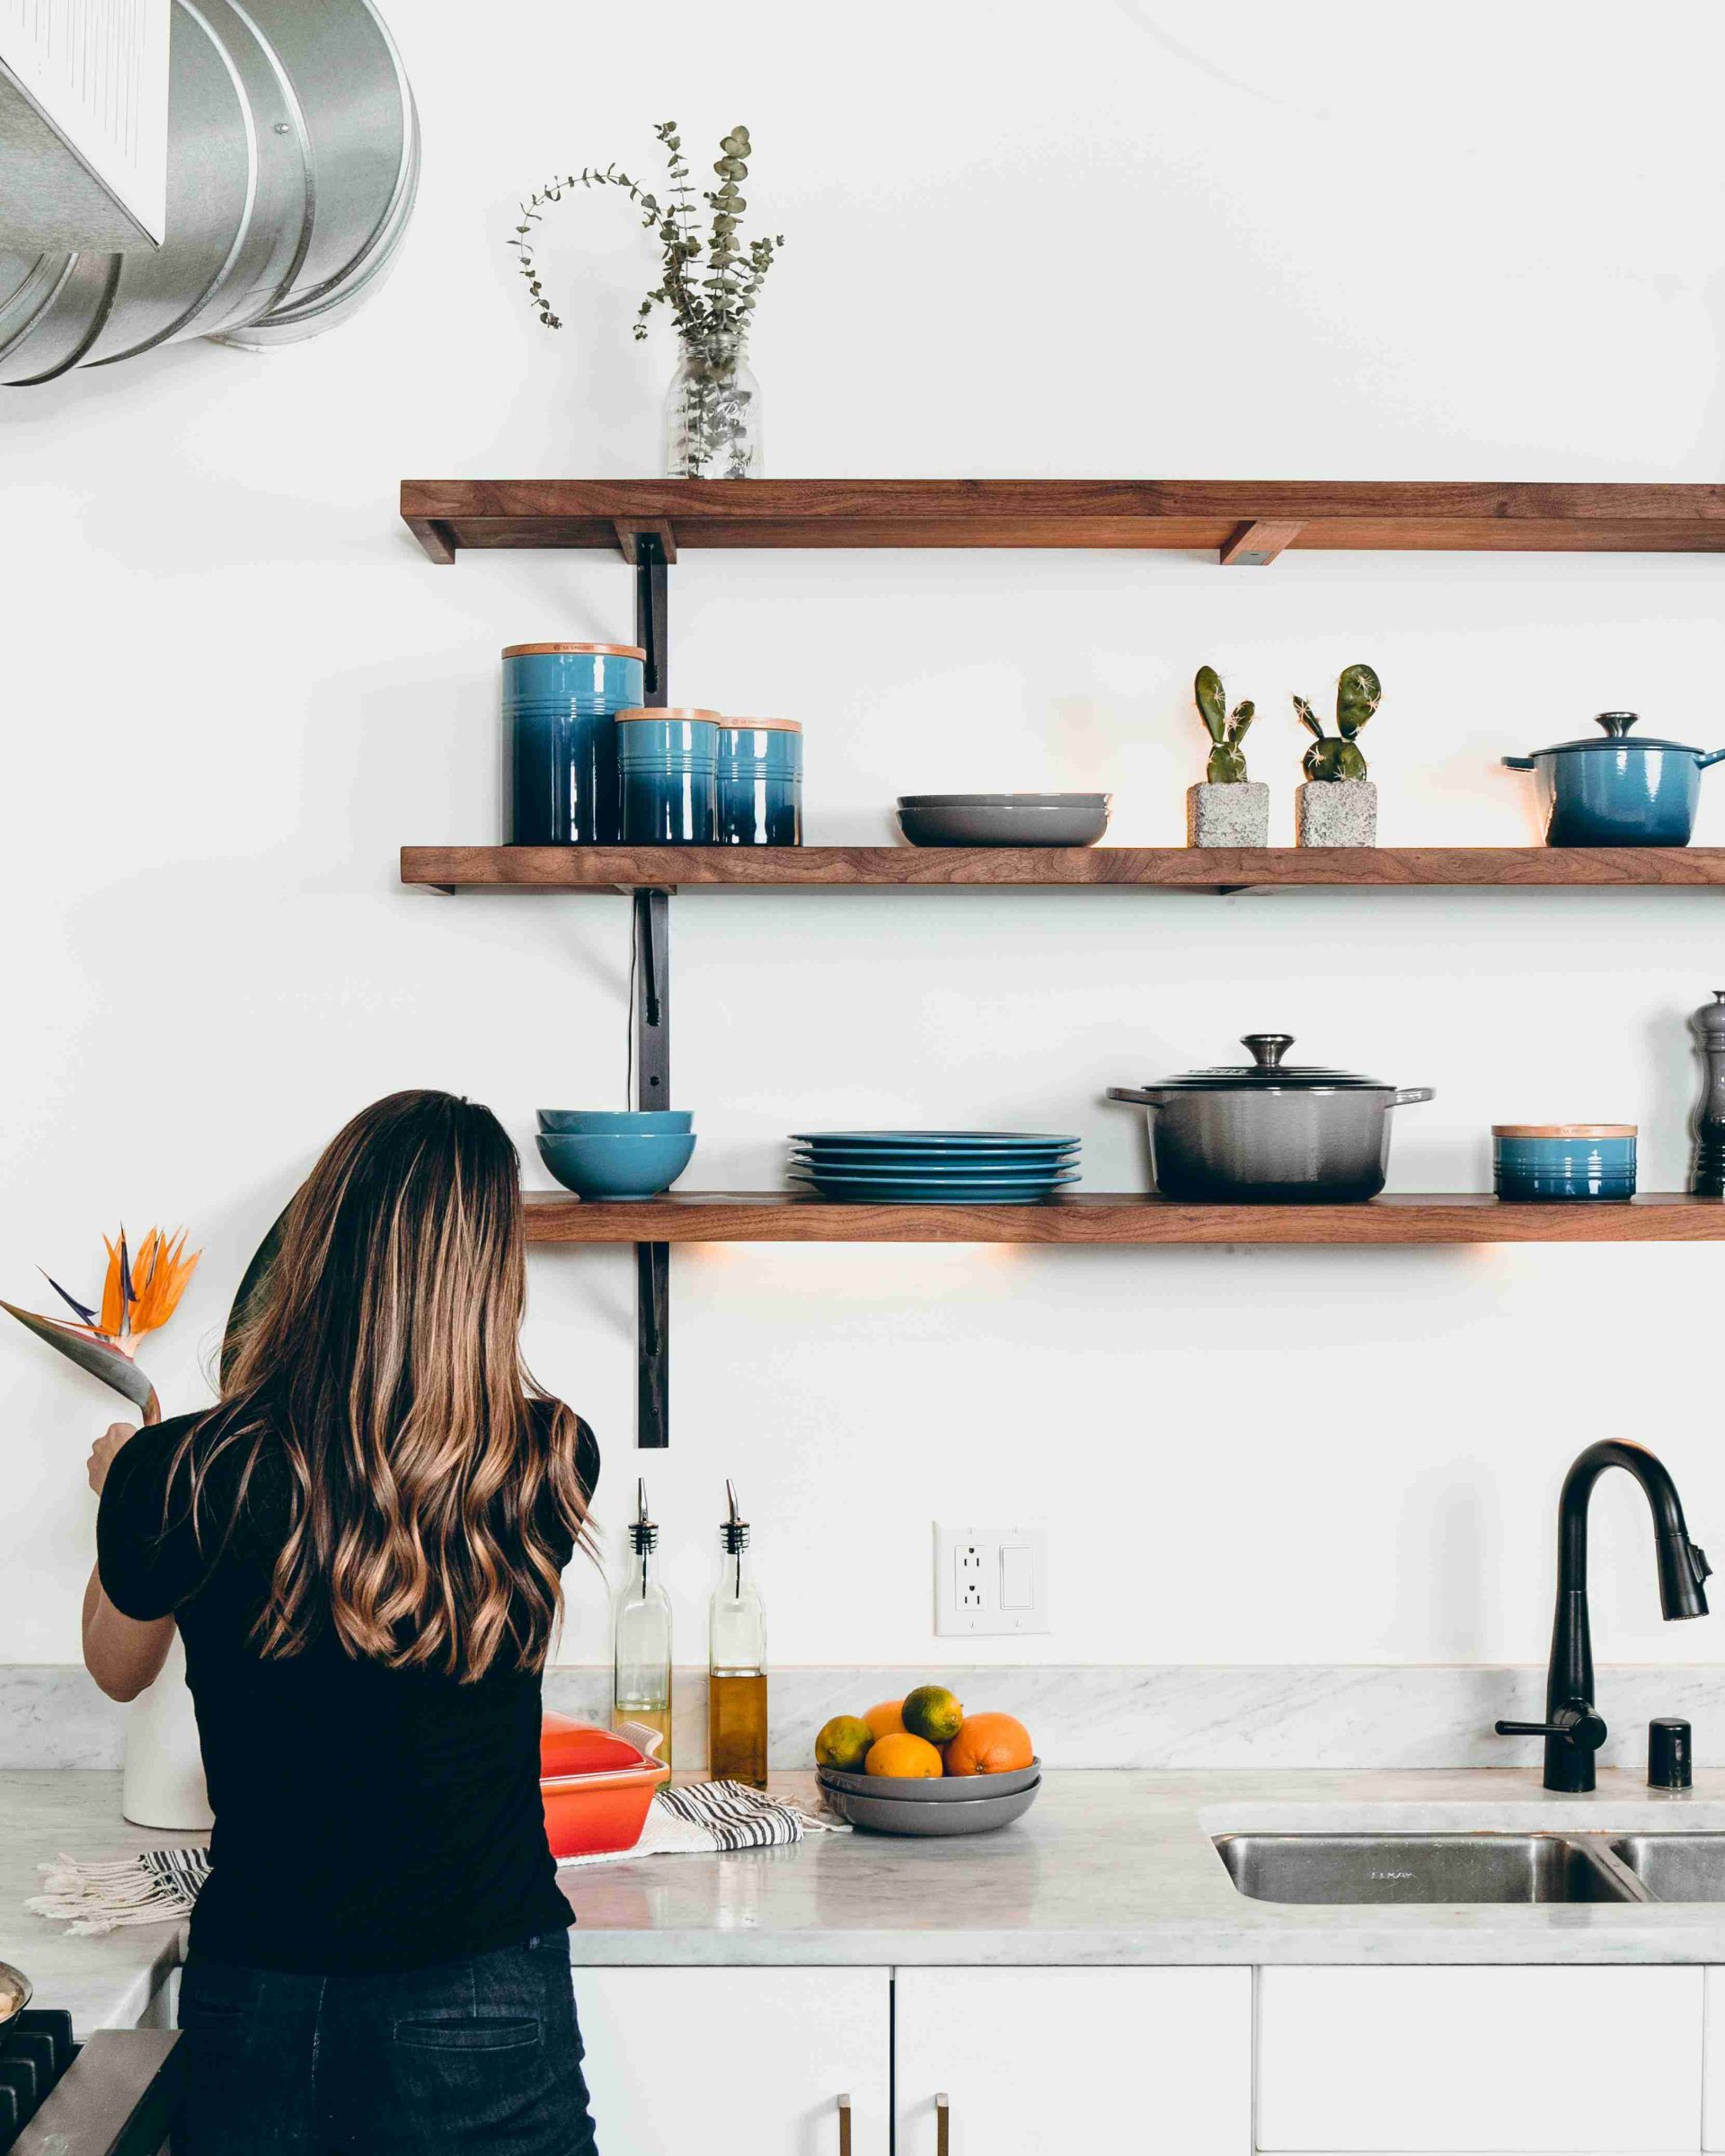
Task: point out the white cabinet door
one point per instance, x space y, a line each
1713 2087
735 2062
1463 2059
1075 2061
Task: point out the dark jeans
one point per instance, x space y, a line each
481 2053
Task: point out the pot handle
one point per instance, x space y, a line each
1409 1096
1132 1092
1525 762
1712 757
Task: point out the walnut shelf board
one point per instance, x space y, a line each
1119 1217
577 868
1185 515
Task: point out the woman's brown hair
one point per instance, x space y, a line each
430 1484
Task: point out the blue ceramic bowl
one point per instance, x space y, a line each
643 1122
1564 1159
616 1163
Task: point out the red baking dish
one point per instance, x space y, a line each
596 1787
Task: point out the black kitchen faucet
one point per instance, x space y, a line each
1572 1728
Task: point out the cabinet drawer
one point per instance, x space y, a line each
1457 2060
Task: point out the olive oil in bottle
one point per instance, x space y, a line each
735 1662
640 1636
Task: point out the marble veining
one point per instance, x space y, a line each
1345 1715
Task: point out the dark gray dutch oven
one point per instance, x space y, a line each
1269 1132
1609 791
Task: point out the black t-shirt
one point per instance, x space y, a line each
365 1818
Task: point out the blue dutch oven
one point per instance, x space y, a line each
1609 791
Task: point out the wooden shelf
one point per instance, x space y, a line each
1168 868
1119 1217
1184 515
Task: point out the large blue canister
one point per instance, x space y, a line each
559 708
668 760
759 792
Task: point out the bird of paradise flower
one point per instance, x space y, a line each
138 1297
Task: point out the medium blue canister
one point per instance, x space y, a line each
1564 1159
760 782
560 707
668 760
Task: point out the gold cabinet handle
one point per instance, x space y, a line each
844 2125
942 2124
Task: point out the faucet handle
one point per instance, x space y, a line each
1579 1726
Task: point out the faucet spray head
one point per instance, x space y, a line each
1683 1570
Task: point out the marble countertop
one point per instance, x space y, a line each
1108 1867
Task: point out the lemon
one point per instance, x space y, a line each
844 1743
931 1712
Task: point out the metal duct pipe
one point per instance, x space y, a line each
293 158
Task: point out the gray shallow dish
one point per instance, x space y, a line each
1004 820
905 1815
951 1788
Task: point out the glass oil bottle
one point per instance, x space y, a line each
640 1636
736 1661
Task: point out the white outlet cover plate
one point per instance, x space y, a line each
991 1579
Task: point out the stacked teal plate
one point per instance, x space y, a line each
935 1167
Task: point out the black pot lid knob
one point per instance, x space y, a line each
1267 1048
1616 723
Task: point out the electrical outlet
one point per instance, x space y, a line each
991 1579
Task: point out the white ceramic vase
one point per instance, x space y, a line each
164 1781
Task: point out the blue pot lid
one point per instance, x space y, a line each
1616 736
1268 1071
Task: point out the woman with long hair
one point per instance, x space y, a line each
362 1546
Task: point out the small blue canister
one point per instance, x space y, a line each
668 760
760 782
560 707
1564 1159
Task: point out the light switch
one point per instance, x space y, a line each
1017 1576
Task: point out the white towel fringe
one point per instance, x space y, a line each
157 1887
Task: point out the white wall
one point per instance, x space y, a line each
1329 240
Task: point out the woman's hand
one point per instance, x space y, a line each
101 1453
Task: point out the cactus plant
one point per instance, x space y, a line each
1227 730
1357 695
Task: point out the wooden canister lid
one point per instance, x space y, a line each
603 650
1564 1130
674 711
765 726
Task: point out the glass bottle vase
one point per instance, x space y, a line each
713 413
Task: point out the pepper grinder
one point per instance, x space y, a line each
1708 1180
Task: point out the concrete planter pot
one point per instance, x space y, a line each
1228 816
1336 812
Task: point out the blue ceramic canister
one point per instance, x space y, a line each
760 782
1564 1159
667 760
559 708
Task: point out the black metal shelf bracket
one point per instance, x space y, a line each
650 926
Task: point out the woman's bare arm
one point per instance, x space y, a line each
122 1654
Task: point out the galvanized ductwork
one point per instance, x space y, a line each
293 157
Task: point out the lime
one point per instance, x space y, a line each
843 1744
931 1712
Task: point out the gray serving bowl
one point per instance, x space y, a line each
905 1815
1004 820
949 1788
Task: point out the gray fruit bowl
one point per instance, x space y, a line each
946 1788
1004 820
904 1814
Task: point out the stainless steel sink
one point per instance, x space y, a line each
1436 1867
1677 1868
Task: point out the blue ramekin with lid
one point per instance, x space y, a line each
668 763
559 708
759 782
1564 1159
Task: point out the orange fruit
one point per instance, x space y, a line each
886 1720
988 1744
905 1757
844 1743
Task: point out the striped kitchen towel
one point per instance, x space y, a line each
704 1817
152 1888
